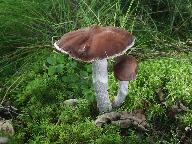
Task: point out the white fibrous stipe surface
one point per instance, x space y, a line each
122 93
100 83
100 71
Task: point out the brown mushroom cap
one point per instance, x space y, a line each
95 42
126 68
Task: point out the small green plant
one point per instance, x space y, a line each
55 64
76 78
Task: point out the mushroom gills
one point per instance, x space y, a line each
100 83
122 93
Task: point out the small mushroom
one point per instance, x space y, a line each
96 44
124 70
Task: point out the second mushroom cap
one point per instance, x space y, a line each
126 68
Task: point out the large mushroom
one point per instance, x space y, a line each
96 44
125 70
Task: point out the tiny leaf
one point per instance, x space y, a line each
51 70
51 60
59 68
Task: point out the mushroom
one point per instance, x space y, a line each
124 70
96 44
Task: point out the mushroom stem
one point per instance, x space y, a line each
122 93
100 83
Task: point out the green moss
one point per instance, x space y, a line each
45 119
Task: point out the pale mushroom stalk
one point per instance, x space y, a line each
121 95
100 83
